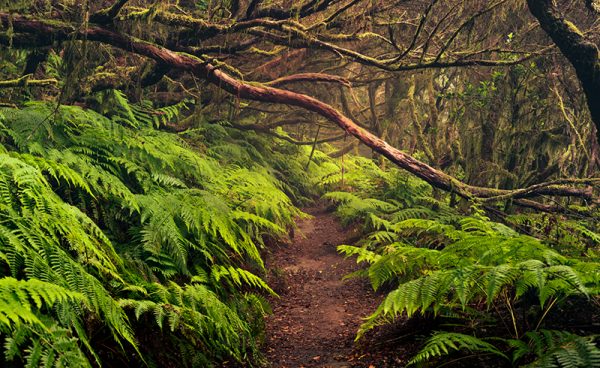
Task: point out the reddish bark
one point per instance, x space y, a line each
267 94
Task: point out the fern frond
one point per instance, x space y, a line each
239 277
19 297
445 343
558 349
363 254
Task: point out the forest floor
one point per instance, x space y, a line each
317 314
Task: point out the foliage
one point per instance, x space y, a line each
434 261
16 296
442 343
558 349
113 230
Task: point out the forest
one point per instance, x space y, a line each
311 183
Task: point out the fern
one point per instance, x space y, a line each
194 308
50 346
239 277
18 297
363 255
557 349
439 262
353 207
113 211
445 343
443 288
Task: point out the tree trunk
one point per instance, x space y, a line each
581 53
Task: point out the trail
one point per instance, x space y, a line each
315 320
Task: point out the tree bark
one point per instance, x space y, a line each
251 91
581 53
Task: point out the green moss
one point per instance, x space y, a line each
573 28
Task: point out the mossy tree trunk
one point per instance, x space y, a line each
583 54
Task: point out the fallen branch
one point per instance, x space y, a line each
550 188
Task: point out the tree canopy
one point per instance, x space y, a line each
254 50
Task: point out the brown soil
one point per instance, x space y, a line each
316 317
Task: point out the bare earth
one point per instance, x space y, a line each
315 320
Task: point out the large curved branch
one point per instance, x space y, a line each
266 94
434 177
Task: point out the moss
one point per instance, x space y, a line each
276 51
114 77
367 35
573 28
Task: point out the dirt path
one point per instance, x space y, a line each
317 315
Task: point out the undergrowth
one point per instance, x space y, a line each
123 244
492 288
